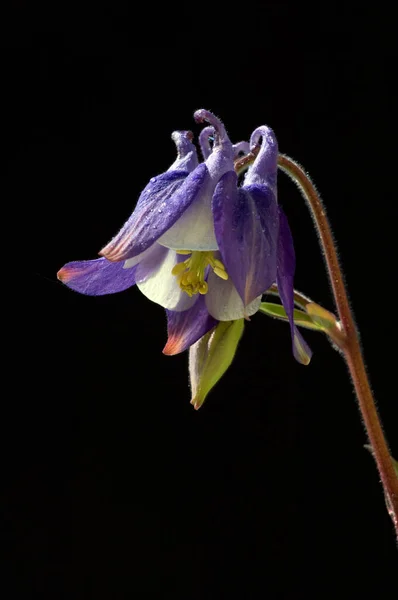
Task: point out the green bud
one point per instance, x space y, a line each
278 312
316 317
211 356
326 321
322 317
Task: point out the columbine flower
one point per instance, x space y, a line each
199 245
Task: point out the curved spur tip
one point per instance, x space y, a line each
200 115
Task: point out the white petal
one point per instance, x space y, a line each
162 287
131 262
194 230
224 303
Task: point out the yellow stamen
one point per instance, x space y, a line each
178 268
191 272
221 273
184 281
191 277
203 288
219 264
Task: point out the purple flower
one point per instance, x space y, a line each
200 245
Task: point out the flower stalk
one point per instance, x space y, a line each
348 342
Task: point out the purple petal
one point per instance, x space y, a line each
160 205
265 168
286 265
96 277
156 209
220 160
246 226
144 226
205 136
187 159
194 230
243 147
186 328
220 134
99 277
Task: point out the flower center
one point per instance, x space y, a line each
191 273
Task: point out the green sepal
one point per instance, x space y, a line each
211 356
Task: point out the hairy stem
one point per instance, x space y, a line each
350 345
349 342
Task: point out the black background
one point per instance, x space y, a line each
112 485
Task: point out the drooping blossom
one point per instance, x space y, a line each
198 243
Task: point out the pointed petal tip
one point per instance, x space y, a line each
63 275
301 350
110 254
67 273
196 402
173 346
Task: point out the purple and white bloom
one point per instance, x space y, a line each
200 245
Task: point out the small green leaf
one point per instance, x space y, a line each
300 318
